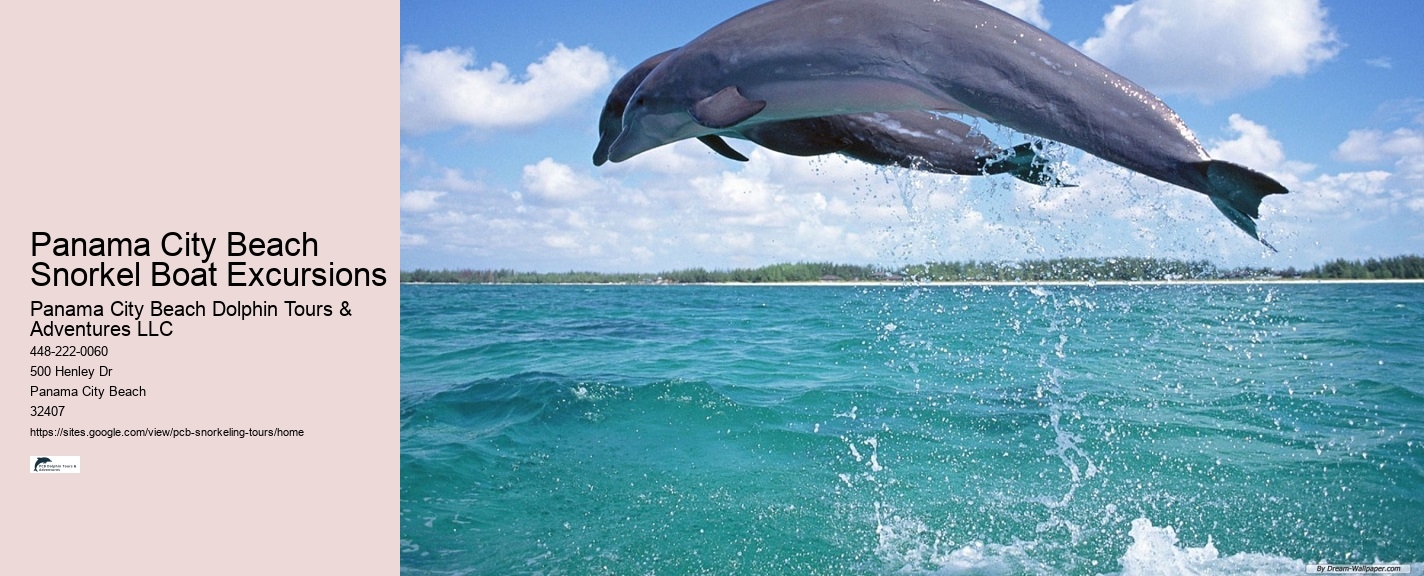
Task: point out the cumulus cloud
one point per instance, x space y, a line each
442 89
1030 11
1254 147
1213 49
455 181
696 209
556 182
411 156
1346 192
1377 145
419 200
1404 147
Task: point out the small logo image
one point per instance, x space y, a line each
54 464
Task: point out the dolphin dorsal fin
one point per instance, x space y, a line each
725 109
720 146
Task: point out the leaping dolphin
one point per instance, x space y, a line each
914 139
796 59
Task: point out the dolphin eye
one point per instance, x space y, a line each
640 101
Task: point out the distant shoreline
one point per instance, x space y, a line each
1059 271
964 283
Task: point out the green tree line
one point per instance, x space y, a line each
1060 269
798 272
1397 268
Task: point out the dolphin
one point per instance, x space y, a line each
906 138
796 59
912 139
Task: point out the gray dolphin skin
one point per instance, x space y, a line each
912 139
796 59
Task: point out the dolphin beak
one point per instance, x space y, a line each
600 152
624 148
643 133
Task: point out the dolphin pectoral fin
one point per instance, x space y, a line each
1023 162
720 146
725 109
1237 191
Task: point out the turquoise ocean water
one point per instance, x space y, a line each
1143 429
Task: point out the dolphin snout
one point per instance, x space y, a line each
600 154
644 131
626 147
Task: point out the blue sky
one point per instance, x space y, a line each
500 105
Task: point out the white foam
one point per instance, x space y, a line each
908 546
1157 551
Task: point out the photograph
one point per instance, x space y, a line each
1104 287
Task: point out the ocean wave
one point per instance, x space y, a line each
905 546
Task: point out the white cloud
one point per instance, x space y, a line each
1404 147
556 182
1213 48
695 209
455 181
419 200
1341 194
441 89
562 242
1255 148
1377 146
742 194
1318 195
449 218
1253 145
1383 62
1030 11
411 155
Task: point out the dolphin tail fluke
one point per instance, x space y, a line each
1237 191
1024 163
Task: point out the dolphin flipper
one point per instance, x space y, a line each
1024 163
725 109
1237 191
720 146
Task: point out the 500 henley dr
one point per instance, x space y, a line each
191 245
